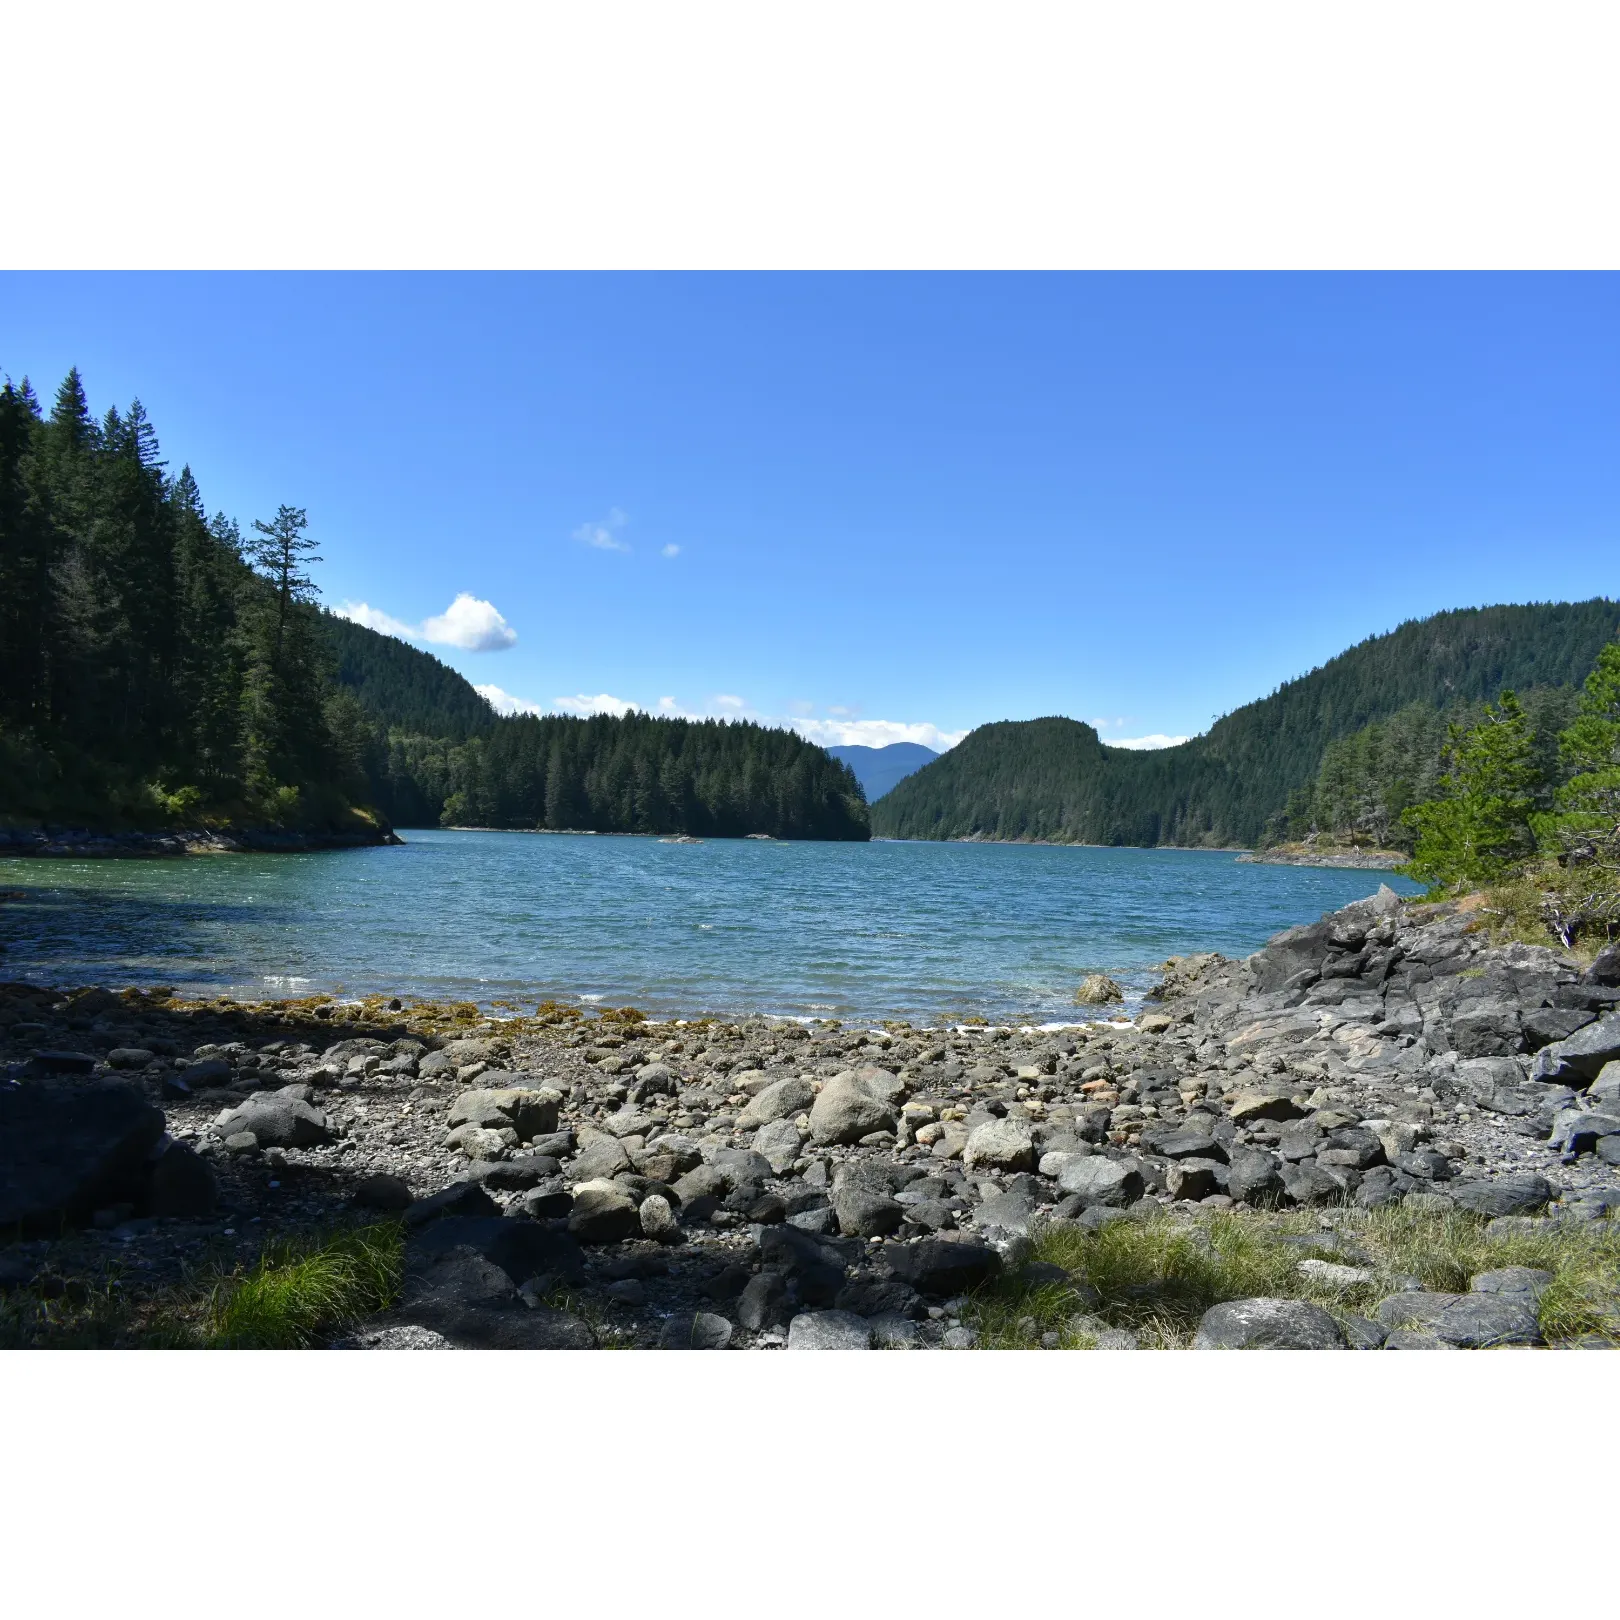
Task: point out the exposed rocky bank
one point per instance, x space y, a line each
764 1184
80 842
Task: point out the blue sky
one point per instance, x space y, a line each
883 506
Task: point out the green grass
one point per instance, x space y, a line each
1157 1276
298 1293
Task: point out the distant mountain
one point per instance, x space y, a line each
1053 779
878 769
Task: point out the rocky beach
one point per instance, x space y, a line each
558 1181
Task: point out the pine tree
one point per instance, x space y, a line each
1478 830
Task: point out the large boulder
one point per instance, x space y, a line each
1097 1180
1472 1321
784 1099
855 1104
865 1211
1579 1058
1487 1027
181 1185
1268 1324
1001 1144
779 1144
603 1212
67 1150
529 1111
276 1119
939 1268
1505 1195
829 1330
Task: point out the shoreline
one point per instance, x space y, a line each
81 843
561 1180
1358 860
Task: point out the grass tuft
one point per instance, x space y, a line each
1157 1275
300 1294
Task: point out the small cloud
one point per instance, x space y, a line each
729 703
375 619
604 536
876 733
839 710
801 708
1156 740
670 550
504 703
584 704
469 622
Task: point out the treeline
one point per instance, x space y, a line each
1053 779
1549 845
1368 780
633 774
155 664
159 667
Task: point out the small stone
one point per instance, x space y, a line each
382 1192
658 1220
702 1330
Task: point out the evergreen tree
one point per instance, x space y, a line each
1478 830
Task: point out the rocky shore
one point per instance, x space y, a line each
1359 860
564 1183
79 842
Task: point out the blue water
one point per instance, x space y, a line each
884 930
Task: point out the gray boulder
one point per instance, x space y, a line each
1526 1282
784 1099
865 1211
1485 1028
1580 1057
603 1212
1097 1180
276 1119
1253 1175
702 1330
1193 1179
1003 1144
779 1144
1268 1324
829 1330
1506 1195
855 1104
943 1269
1471 1321
529 1112
600 1158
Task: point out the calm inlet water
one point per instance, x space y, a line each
917 931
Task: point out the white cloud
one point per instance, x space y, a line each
583 704
604 535
375 619
1156 740
876 733
504 703
729 703
469 622
670 550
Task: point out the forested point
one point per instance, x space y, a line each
160 668
1345 749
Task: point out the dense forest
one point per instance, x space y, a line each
1368 780
1054 779
159 668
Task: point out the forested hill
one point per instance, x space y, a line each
1053 778
159 668
402 687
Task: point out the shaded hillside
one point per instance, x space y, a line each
1053 779
402 687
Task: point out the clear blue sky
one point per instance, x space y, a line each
926 500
